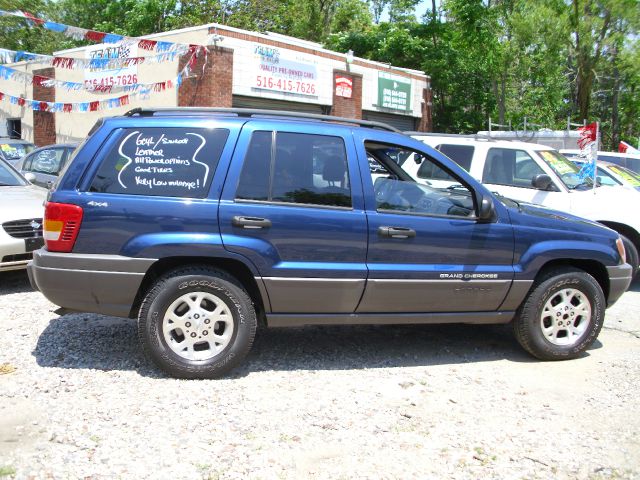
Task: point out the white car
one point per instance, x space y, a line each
612 175
533 173
21 211
627 160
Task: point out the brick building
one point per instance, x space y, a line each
240 69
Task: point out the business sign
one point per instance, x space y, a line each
281 70
103 74
344 86
394 92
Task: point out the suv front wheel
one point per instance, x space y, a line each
196 323
562 315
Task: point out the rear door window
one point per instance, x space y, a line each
430 171
172 162
295 168
461 154
505 166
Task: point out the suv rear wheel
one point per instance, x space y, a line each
562 316
196 323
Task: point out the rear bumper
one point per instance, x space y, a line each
619 281
105 284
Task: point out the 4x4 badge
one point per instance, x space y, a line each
97 204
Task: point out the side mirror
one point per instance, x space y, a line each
30 176
542 181
487 211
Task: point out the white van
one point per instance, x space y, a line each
534 173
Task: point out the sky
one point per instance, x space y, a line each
421 8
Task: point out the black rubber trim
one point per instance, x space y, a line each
105 284
620 277
91 261
297 320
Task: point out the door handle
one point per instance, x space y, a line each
250 222
396 232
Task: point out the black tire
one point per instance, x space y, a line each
528 323
631 251
218 290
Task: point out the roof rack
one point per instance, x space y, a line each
250 112
478 136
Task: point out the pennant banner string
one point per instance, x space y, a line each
78 33
143 92
14 56
165 51
40 106
9 73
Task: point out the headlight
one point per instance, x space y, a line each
621 251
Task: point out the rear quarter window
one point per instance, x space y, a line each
172 162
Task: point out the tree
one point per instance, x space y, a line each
378 7
18 34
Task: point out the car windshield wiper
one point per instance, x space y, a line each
502 198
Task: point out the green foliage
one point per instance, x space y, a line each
16 34
545 60
7 471
511 59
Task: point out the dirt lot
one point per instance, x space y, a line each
78 400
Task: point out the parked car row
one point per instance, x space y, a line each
23 171
45 163
612 175
630 161
537 174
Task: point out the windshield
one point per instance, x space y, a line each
15 151
9 177
629 176
568 171
605 178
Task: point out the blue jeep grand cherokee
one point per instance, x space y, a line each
202 223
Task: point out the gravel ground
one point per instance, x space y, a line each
78 400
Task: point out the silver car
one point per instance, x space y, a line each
21 212
46 163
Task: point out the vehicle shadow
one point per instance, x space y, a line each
88 341
14 281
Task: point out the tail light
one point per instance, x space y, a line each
621 251
61 226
